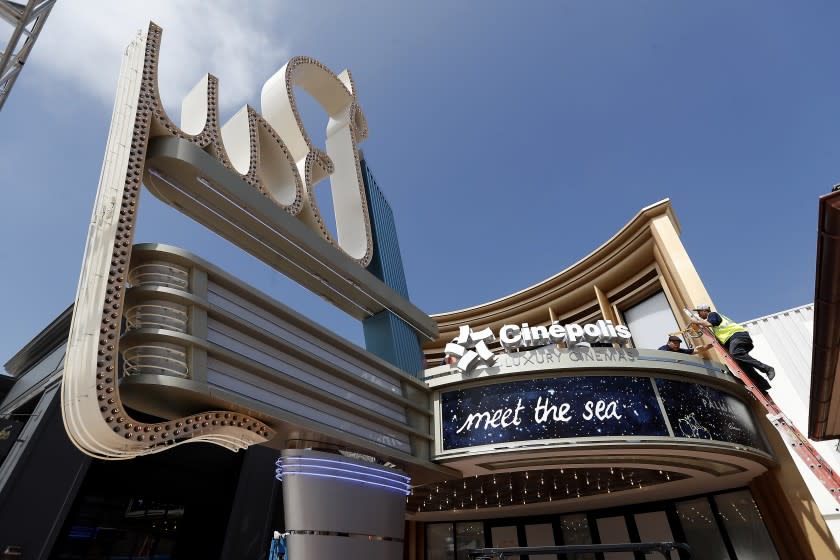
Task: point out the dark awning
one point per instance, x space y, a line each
824 413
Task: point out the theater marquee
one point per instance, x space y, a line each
612 394
249 180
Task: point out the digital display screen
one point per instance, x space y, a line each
701 412
592 406
551 408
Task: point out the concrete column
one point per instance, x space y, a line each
675 263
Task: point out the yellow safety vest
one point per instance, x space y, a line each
726 329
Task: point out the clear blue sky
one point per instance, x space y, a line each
511 139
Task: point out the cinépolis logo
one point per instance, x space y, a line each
470 348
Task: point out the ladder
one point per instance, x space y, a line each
790 433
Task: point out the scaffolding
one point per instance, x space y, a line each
26 21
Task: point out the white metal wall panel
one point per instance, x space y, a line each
286 365
784 340
226 300
235 381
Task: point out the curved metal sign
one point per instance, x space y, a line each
273 153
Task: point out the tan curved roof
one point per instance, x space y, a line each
645 253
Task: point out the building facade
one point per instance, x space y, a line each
564 474
545 417
546 444
785 340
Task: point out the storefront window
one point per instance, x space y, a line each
505 537
152 516
468 536
440 542
575 530
106 527
712 526
613 530
651 321
701 529
541 534
653 526
745 526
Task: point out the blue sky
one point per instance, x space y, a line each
511 139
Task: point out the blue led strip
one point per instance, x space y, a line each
405 491
299 469
349 468
398 482
346 464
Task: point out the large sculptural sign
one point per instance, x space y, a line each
271 152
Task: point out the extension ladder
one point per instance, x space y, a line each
790 433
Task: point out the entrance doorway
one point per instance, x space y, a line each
724 526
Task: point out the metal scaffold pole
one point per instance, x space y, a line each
26 20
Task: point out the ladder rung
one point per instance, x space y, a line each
804 448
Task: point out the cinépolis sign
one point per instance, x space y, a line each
593 406
470 348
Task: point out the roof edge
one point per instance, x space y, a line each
642 217
43 343
826 346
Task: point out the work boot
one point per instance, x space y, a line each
771 373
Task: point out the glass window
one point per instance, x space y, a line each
654 527
505 537
651 321
468 536
440 543
745 526
613 530
160 517
540 535
575 530
701 529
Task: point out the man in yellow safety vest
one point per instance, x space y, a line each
737 342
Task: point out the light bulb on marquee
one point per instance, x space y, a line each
256 172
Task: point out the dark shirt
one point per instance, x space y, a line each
714 318
680 350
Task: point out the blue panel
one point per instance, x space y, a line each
701 412
387 260
386 335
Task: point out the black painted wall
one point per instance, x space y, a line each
36 499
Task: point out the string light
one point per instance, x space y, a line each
466 495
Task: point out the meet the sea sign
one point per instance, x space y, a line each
550 408
543 411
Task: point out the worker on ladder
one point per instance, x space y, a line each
736 340
673 345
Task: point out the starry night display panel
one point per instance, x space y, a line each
550 408
700 412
